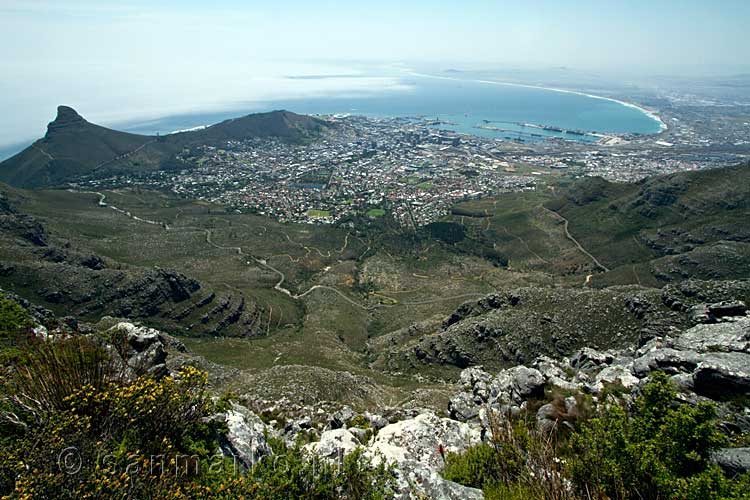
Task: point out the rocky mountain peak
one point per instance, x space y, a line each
66 117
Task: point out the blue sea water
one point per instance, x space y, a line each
465 104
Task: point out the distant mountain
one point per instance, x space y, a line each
281 124
73 148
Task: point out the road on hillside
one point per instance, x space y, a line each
575 241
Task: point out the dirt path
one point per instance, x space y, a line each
124 155
49 156
575 241
279 286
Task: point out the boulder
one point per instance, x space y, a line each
727 336
462 407
421 438
143 351
727 309
546 418
417 446
668 360
733 461
245 438
588 358
549 368
476 381
334 445
723 375
700 314
618 375
341 418
417 482
711 313
517 384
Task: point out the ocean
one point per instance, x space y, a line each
468 106
483 108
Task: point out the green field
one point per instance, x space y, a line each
318 213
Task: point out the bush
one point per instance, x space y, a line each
519 462
14 320
53 371
144 439
662 451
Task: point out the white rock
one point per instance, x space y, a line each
245 439
421 437
616 375
413 445
334 444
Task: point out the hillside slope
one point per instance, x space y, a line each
40 265
664 228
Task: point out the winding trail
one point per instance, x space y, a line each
346 243
124 155
104 204
327 255
279 286
49 156
282 277
575 241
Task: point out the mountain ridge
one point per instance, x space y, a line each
73 147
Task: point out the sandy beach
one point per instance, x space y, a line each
649 113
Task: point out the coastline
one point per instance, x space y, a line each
650 114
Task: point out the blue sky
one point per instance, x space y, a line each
600 35
154 55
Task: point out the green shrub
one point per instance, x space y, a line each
55 370
662 451
145 439
519 462
14 320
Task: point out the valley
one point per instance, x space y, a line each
372 299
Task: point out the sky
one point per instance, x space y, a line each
119 60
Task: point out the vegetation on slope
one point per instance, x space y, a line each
657 451
73 428
675 217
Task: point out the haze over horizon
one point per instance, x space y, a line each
121 61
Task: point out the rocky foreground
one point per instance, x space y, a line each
709 361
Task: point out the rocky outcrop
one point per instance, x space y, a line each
709 360
334 445
415 446
24 228
420 438
723 376
506 391
52 270
733 461
511 328
141 348
245 438
504 329
66 118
